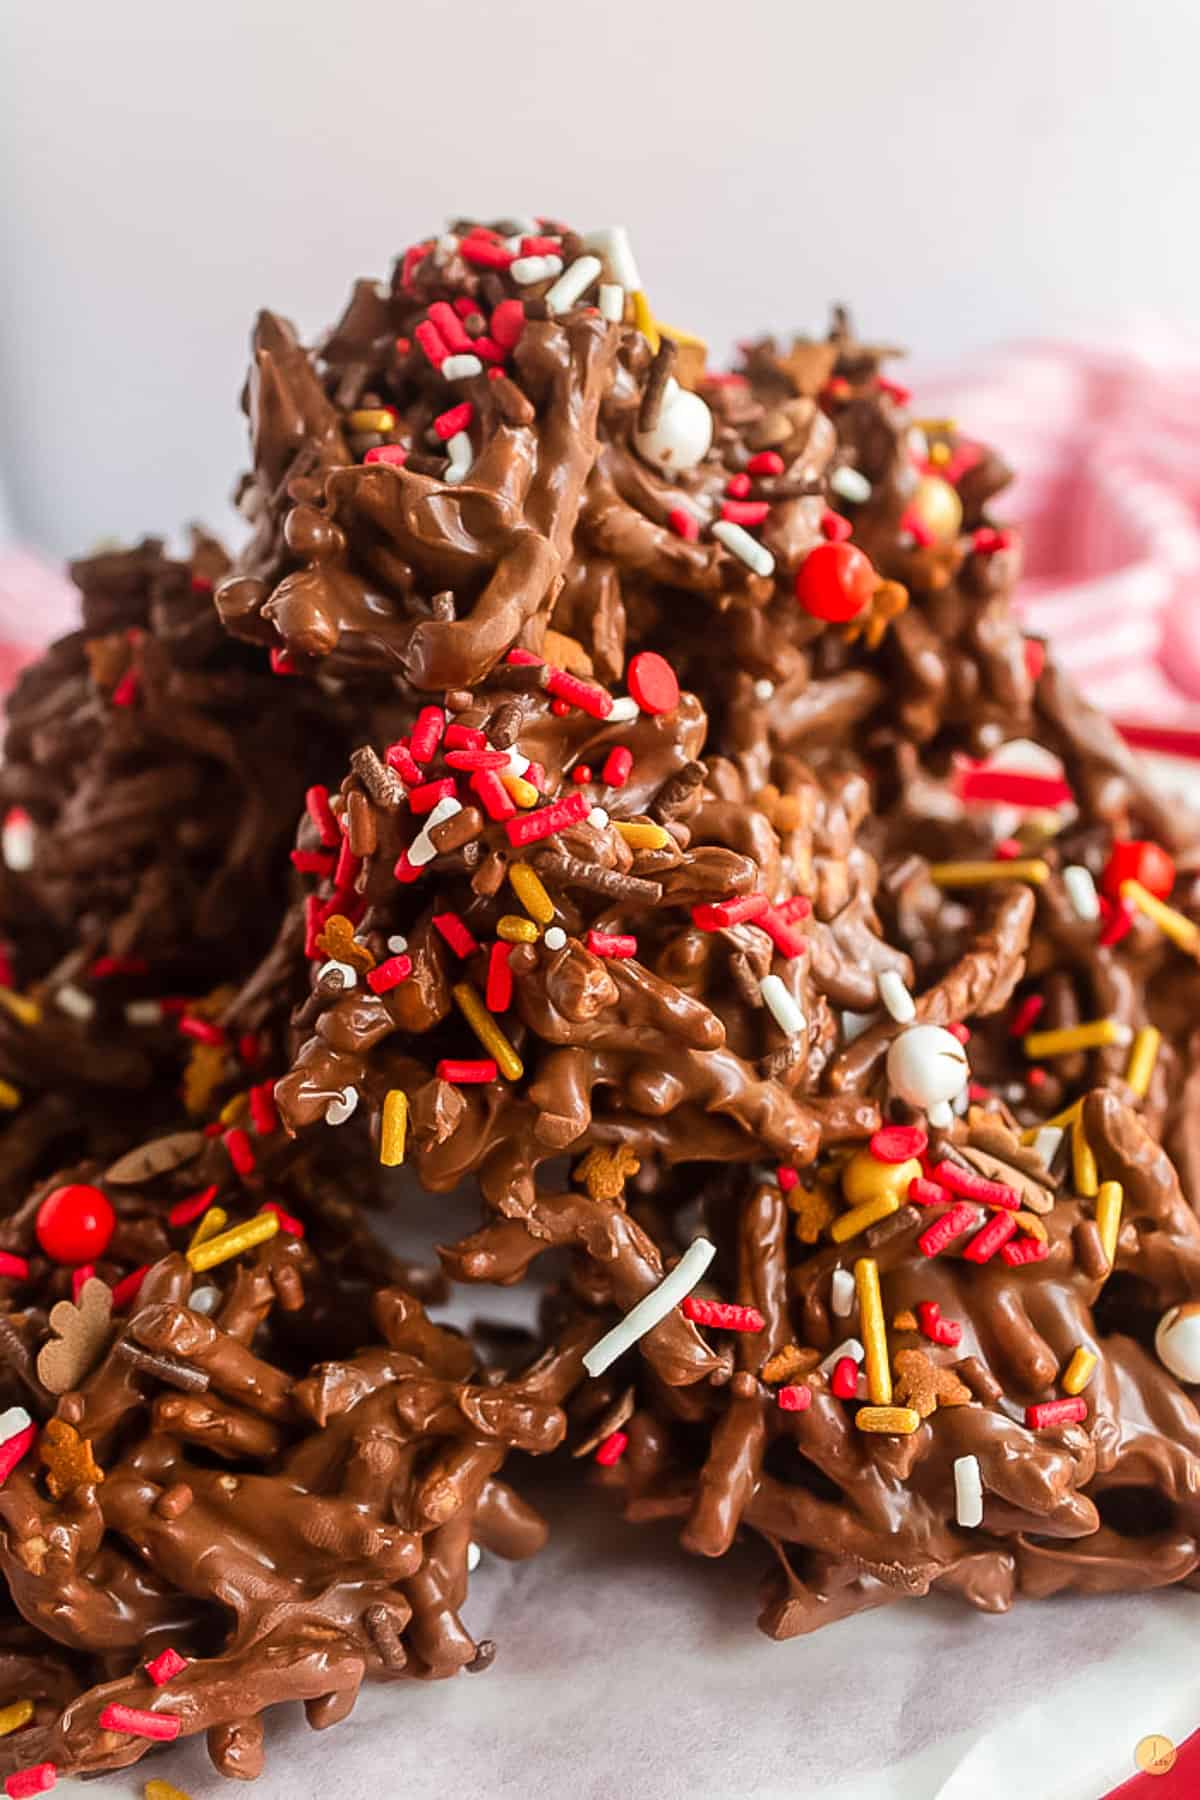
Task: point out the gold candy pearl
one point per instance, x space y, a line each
865 1178
938 507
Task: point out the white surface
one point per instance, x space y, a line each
962 170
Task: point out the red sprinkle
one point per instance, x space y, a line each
165 1666
13 1449
794 1399
745 512
987 540
835 529
653 682
388 975
926 1193
984 1245
497 993
136 1722
1048 1413
611 943
716 915
1025 1250
287 1221
581 774
482 1070
431 342
547 820
1118 923
684 523
934 1327
203 1030
845 1378
126 690
262 1108
398 756
738 486
319 811
1010 787
104 966
310 862
346 871
38 1778
485 253
612 1449
412 256
787 1178
957 1029
14 1267
1035 658
936 1237
894 391
1026 1014
1007 849
972 1186
457 934
314 924
453 420
766 462
129 1287
241 1155
498 803
782 932
595 701
617 765
394 455
464 737
427 733
83 1273
477 759
507 323
524 659
722 1315
185 1211
445 320
423 799
897 1143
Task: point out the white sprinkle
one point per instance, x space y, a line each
143 1012
16 843
205 1299
851 1347
517 762
614 246
474 1556
398 944
624 710
457 368
854 1024
739 543
554 938
1081 891
968 1492
940 1115
341 1106
422 850
851 484
598 817
347 971
74 1002
781 1006
841 1293
458 449
1047 1143
895 996
612 302
918 444
573 283
653 1309
764 690
12 1420
528 269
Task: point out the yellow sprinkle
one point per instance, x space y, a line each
20 1006
1143 1055
1109 1202
527 886
516 930
488 1032
371 418
874 1331
1172 924
686 340
939 454
903 1420
1078 1372
231 1243
937 427
13 1717
641 836
643 318
214 1220
393 1130
982 874
859 1217
520 790
162 1790
10 1097
235 1110
1066 1117
1083 1161
1096 1034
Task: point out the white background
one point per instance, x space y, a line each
963 170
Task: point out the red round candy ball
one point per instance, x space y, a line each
652 682
75 1224
1138 860
835 582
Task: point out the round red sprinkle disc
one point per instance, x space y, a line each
74 1224
897 1143
652 682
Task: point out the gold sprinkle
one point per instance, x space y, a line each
900 1420
487 1031
527 886
163 1790
521 791
371 418
515 930
860 1217
1143 1055
10 1097
214 1220
643 318
13 1717
1109 1203
20 1006
982 874
231 1243
393 1130
1172 924
874 1330
1095 1034
1078 1372
1086 1174
641 835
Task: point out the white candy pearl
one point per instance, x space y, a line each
341 1106
1177 1342
927 1066
682 436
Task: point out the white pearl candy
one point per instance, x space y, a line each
341 1106
928 1067
1177 1342
682 435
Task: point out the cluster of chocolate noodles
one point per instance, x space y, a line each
254 1471
152 770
